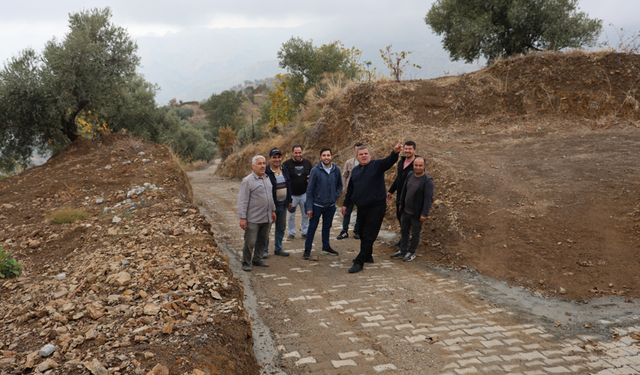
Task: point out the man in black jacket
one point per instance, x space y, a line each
405 166
299 169
415 203
367 191
281 183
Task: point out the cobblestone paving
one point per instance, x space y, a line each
403 318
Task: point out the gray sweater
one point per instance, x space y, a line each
255 199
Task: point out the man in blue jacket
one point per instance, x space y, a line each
325 187
281 196
367 191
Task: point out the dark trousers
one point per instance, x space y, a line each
346 219
398 213
408 223
327 219
255 239
370 219
281 225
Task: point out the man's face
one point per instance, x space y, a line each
259 167
297 154
355 150
275 161
326 158
409 151
363 156
418 166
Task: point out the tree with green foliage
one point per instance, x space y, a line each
224 110
41 96
306 64
500 28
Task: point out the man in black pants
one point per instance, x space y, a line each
405 166
367 191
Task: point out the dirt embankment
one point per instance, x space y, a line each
534 159
144 284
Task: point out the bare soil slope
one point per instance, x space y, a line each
148 291
535 161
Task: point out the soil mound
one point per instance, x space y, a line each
139 284
534 161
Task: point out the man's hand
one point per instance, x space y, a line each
389 196
398 148
273 216
423 218
243 224
310 213
399 208
290 207
344 210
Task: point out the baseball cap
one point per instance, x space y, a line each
275 151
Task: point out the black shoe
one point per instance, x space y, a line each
246 267
307 254
265 256
356 236
281 253
259 263
343 235
304 236
330 251
291 237
370 260
355 268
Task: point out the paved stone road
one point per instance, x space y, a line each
401 318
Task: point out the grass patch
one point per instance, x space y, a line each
8 266
67 215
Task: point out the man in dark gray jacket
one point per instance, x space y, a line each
414 205
325 187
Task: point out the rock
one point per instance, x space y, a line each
96 368
148 355
31 359
61 276
46 365
126 162
216 295
113 231
47 350
159 370
142 294
563 290
151 309
91 334
34 244
116 220
167 329
100 201
61 293
125 262
122 278
113 298
146 160
108 167
95 313
7 362
68 307
141 153
77 316
198 372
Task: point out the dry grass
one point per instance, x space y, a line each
66 215
197 165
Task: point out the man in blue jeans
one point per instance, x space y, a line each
324 189
281 183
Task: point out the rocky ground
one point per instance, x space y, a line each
138 287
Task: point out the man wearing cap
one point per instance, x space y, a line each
281 196
299 169
256 211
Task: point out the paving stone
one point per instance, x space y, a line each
556 370
468 370
492 343
348 355
342 363
305 360
385 367
490 359
530 356
470 361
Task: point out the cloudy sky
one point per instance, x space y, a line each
32 23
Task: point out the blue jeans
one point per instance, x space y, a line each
298 205
346 219
327 219
281 225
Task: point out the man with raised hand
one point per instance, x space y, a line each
256 211
299 169
346 176
415 203
281 196
325 187
405 166
367 191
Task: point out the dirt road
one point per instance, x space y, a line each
410 318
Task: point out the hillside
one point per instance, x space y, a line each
140 284
534 160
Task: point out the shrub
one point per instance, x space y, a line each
67 215
8 266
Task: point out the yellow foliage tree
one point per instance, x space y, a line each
396 61
226 141
89 124
282 110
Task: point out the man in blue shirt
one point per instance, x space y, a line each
325 187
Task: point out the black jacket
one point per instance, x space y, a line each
366 186
401 177
424 196
272 177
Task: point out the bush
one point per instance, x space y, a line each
8 266
67 215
